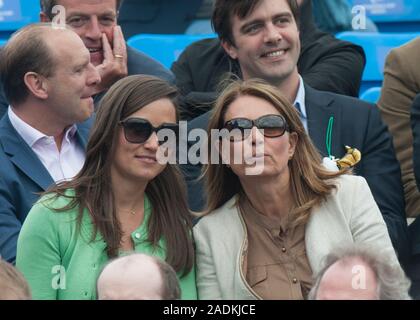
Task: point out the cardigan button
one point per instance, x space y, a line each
137 235
294 280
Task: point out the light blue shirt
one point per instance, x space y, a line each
300 103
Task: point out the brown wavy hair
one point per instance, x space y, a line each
170 218
310 182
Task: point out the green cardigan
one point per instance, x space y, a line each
61 263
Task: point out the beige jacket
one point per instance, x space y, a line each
350 215
401 84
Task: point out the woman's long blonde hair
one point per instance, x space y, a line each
310 182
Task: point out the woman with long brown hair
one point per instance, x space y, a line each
276 213
123 200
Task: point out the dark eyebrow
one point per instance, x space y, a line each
85 15
283 15
259 21
250 23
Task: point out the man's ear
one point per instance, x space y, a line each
230 49
43 17
36 84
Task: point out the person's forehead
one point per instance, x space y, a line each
66 45
88 6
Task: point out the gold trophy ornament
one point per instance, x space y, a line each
350 159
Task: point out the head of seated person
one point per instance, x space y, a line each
90 19
359 273
13 285
48 78
263 36
138 277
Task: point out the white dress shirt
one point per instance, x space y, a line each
61 165
300 103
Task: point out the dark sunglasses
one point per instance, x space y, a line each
274 125
139 130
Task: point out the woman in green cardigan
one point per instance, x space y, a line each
123 200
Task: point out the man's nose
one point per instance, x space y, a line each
94 31
272 33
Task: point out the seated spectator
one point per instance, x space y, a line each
325 63
400 86
265 233
138 277
124 199
12 284
359 273
332 121
96 22
49 81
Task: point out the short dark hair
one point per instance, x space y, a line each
13 285
170 283
26 51
224 10
47 6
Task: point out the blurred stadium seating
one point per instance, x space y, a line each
377 47
157 16
371 95
392 15
165 48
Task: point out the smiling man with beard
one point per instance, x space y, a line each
49 80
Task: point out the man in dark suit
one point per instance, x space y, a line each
96 24
49 81
325 63
263 36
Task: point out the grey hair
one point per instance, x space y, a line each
392 282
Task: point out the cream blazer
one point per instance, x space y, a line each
349 215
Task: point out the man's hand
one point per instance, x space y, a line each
114 66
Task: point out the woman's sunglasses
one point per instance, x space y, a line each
139 130
274 125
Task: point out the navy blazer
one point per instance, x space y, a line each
356 124
22 178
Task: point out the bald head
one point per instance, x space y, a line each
348 279
137 277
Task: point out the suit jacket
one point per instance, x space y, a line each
349 215
356 124
400 86
137 63
22 178
325 63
